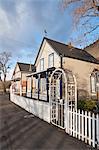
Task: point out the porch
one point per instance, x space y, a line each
37 86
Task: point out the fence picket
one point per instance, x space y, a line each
89 127
76 123
73 122
79 124
82 125
85 126
97 129
93 130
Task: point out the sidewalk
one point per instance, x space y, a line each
21 131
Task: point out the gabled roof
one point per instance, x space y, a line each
26 67
68 51
96 43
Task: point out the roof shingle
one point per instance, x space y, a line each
72 52
26 67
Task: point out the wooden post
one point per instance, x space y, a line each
97 129
93 130
85 126
76 122
26 85
31 85
79 124
20 87
47 87
82 125
89 127
38 85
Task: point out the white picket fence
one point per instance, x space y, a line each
84 126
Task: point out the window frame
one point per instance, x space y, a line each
51 54
93 76
42 59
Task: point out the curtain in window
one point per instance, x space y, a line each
93 84
51 60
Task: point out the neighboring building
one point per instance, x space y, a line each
19 76
53 54
93 49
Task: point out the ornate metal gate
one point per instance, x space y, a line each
62 91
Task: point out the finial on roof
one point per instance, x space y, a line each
45 32
70 44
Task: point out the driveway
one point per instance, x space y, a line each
20 130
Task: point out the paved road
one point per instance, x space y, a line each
19 131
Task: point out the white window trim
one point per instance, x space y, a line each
52 54
41 69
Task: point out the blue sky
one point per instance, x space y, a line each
22 25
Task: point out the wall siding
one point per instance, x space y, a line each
82 70
44 53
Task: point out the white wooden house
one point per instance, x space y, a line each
19 77
63 75
52 55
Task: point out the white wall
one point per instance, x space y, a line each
38 108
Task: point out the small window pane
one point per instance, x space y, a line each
51 60
36 85
42 64
93 85
43 85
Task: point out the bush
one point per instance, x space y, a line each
88 105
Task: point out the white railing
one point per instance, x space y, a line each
84 126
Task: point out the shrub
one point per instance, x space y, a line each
88 105
80 104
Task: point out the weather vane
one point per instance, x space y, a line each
45 32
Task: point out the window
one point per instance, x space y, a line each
51 60
42 64
94 81
43 85
93 84
36 85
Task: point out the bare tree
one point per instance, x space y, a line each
4 66
85 10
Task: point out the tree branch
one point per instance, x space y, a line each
93 29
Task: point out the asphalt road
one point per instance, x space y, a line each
21 131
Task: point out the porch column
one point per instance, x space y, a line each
47 86
20 87
61 87
38 85
26 85
61 66
31 85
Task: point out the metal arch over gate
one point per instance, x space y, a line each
62 95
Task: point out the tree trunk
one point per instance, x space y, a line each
4 84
